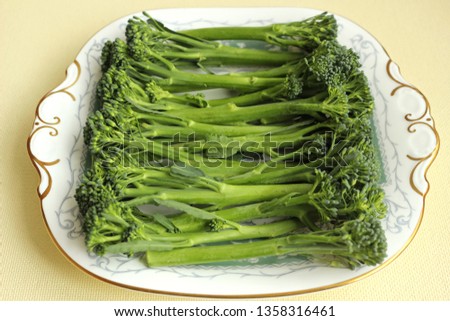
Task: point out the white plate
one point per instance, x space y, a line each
404 127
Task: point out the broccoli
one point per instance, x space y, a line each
109 198
113 194
344 89
352 244
151 40
346 151
329 62
140 186
291 143
140 240
115 90
276 208
168 76
112 138
305 34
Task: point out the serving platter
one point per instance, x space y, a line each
405 134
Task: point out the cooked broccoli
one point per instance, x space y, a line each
109 197
139 240
329 63
352 244
290 143
151 40
305 34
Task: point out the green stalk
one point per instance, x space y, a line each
188 127
233 114
178 102
229 195
354 243
145 150
295 67
196 130
300 244
162 105
175 45
187 240
175 77
296 174
267 142
242 233
187 223
279 92
301 173
230 33
245 232
143 79
225 55
305 34
211 168
268 94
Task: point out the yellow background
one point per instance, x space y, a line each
39 39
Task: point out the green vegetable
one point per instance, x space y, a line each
151 40
354 243
303 34
283 163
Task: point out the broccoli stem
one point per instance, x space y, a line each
143 150
305 34
224 55
189 239
187 223
242 233
231 113
268 94
229 195
230 33
186 103
213 254
198 130
278 92
351 244
174 46
302 173
179 126
212 168
175 77
263 33
297 68
299 244
267 142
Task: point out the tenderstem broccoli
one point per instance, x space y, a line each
151 40
328 62
282 163
352 244
305 34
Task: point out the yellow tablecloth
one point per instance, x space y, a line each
39 39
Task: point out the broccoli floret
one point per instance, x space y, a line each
332 63
216 225
114 54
